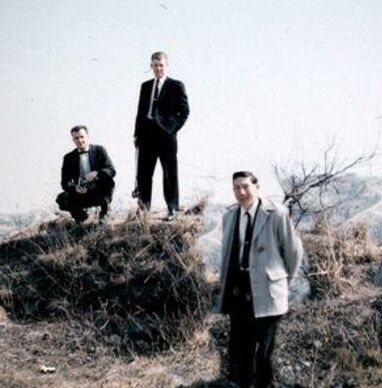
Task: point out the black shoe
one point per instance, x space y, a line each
171 215
80 216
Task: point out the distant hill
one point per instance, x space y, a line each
10 222
361 201
353 199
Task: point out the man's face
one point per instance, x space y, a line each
245 191
81 140
160 67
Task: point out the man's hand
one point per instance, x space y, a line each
91 176
81 189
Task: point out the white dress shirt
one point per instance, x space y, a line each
160 84
84 165
243 223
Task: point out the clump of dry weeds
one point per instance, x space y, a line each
336 253
138 284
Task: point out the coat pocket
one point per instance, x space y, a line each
276 275
278 284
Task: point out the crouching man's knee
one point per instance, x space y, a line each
63 201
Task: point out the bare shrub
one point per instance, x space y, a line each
305 186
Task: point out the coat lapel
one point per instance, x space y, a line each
232 223
148 87
91 156
164 88
262 216
229 233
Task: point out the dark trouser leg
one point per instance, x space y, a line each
234 348
241 350
250 349
243 339
73 203
63 201
104 208
168 158
102 195
147 158
265 329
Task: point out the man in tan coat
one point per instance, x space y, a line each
260 255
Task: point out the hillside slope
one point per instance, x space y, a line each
131 305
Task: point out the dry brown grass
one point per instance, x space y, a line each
332 342
128 305
335 255
138 285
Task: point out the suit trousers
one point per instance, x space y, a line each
100 194
157 143
251 341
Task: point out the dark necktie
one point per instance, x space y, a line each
247 242
156 92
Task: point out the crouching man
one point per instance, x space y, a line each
86 177
260 255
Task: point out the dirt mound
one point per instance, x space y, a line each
85 299
139 284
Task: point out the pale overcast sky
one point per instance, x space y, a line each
268 81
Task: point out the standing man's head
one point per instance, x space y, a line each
159 64
80 137
245 188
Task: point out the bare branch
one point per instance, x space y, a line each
300 186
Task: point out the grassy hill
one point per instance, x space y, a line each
130 304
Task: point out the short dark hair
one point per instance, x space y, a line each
159 55
244 174
78 128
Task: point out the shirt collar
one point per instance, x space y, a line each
82 151
251 210
161 80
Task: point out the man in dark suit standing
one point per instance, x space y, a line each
162 111
260 256
86 177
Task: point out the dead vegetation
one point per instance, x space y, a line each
128 305
306 185
335 337
338 257
137 285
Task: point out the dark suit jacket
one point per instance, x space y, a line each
99 161
172 107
